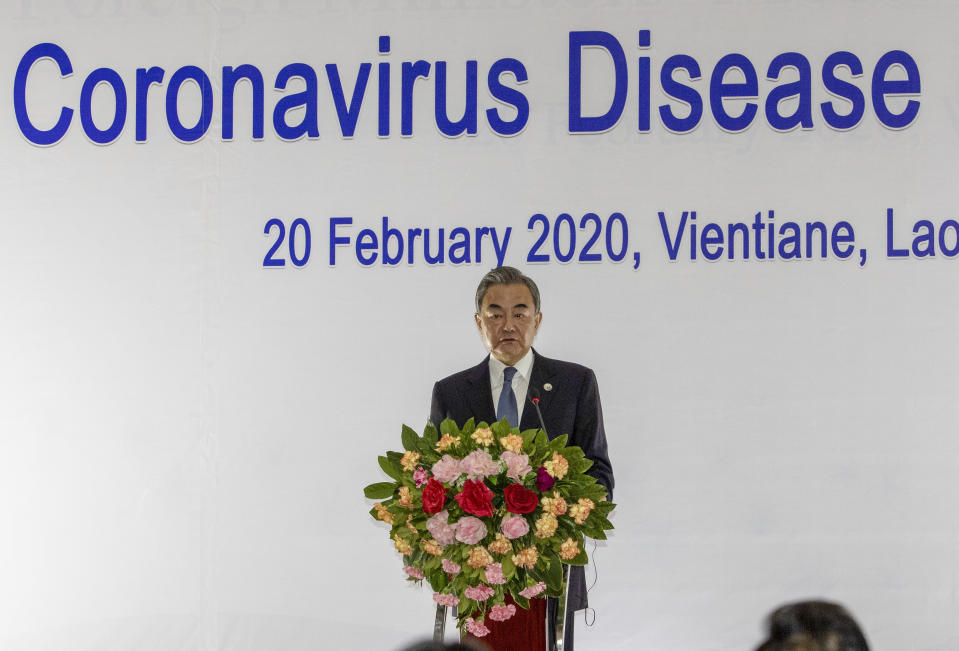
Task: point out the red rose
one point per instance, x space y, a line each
434 496
476 498
519 499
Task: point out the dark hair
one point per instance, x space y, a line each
506 276
813 626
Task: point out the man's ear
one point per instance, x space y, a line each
538 319
479 326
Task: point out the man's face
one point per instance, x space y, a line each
508 322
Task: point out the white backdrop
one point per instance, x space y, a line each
172 472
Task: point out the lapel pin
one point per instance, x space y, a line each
547 387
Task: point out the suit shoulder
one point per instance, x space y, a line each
569 369
455 378
465 375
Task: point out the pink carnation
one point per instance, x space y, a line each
450 567
502 613
479 592
533 590
476 629
446 599
517 465
442 532
470 530
514 526
494 574
419 477
447 469
414 572
479 463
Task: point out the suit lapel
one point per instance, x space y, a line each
543 373
480 395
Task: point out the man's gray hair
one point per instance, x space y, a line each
506 276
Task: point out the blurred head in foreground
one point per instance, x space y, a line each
813 626
428 645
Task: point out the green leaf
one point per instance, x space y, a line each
409 438
430 434
380 490
595 492
600 521
424 447
509 568
467 608
520 600
528 437
437 580
389 468
554 575
594 533
580 559
410 537
419 521
559 442
472 573
580 465
605 507
501 428
537 569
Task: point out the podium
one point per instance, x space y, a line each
550 635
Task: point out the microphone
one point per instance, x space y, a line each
534 398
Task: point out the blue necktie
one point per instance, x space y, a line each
507 399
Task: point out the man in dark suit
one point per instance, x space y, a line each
502 385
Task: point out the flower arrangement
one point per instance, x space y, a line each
486 510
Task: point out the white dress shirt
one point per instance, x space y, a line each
524 367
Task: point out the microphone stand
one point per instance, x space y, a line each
559 628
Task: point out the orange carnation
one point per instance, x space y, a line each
447 442
401 545
483 436
410 460
555 504
501 545
581 510
569 549
546 525
526 558
558 466
406 500
512 442
479 557
383 514
431 547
